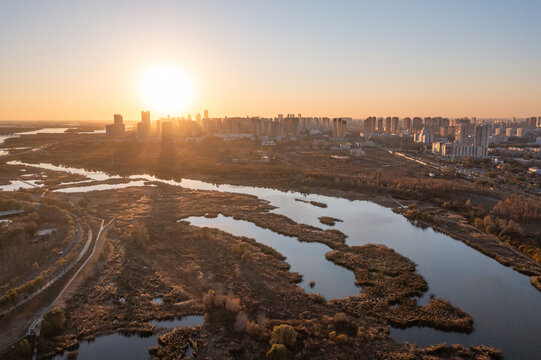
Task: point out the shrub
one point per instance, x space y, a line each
519 208
278 352
232 303
83 202
140 236
24 349
253 329
215 300
340 317
241 321
53 322
262 320
342 339
241 248
210 301
283 334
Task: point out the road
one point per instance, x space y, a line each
396 201
18 321
35 328
76 238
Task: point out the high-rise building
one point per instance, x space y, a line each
145 117
380 128
167 132
335 127
256 127
388 121
531 122
394 125
481 135
118 119
339 127
117 129
159 128
143 128
343 128
407 123
205 114
423 137
461 136
370 125
417 123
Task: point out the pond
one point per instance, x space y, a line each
188 320
3 138
18 184
115 346
308 259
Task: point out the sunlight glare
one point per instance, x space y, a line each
166 90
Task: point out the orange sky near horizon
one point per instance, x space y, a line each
86 61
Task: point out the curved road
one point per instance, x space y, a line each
76 238
35 328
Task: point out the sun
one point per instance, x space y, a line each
166 90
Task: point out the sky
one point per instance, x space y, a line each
84 60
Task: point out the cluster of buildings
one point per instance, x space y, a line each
462 147
461 137
277 128
389 125
265 129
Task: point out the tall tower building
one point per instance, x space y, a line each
461 134
417 123
167 132
335 127
117 129
118 119
394 125
143 128
145 117
481 135
380 125
407 123
370 125
388 121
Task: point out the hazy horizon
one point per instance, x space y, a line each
74 61
154 118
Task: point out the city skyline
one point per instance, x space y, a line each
85 61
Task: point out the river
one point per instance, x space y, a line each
504 306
